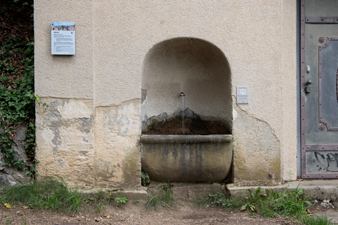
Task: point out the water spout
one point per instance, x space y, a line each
182 99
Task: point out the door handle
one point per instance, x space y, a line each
308 86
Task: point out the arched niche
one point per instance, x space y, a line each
190 65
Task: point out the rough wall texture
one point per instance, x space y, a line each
64 134
257 38
10 176
112 40
256 158
64 76
288 77
247 32
117 158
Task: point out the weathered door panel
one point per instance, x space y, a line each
319 88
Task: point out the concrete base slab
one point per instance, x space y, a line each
130 194
315 189
188 191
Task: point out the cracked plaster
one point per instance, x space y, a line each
258 39
256 149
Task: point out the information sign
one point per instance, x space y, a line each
63 38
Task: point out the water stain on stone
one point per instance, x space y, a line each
193 124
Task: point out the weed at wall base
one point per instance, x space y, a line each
50 193
317 220
164 198
269 204
46 194
218 200
145 179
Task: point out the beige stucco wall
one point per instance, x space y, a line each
65 139
257 37
64 76
288 78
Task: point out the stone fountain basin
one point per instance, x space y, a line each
186 158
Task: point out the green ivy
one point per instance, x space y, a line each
145 179
17 102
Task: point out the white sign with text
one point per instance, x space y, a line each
63 38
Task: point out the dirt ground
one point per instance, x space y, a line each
135 213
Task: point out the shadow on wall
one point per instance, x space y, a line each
195 67
186 89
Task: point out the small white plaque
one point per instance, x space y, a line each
63 38
242 95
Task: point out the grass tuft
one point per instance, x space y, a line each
317 220
268 204
164 198
50 193
219 200
98 200
45 194
284 203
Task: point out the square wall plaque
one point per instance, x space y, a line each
63 38
242 95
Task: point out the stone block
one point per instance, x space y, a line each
117 149
64 136
20 151
21 133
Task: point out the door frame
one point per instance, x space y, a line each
302 117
